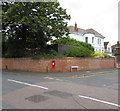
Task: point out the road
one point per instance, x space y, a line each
76 90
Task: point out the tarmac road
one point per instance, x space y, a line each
76 90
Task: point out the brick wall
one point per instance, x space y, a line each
61 64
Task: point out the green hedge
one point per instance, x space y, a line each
73 42
78 52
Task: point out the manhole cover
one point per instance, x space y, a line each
59 94
37 98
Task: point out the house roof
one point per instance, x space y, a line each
80 31
116 45
92 31
83 31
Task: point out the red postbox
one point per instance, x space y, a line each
53 64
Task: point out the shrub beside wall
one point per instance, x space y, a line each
78 52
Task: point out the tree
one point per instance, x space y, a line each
28 26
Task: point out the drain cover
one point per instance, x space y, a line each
37 98
59 94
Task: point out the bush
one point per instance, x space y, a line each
105 55
78 52
100 55
117 54
48 55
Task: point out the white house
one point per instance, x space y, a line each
89 36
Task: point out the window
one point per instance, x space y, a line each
92 39
86 39
98 41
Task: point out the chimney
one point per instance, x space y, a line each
76 29
118 44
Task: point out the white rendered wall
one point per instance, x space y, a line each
98 42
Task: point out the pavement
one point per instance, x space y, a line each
96 89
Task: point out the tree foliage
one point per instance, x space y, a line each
28 26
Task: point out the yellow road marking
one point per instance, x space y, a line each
93 74
78 76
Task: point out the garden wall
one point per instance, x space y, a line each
61 64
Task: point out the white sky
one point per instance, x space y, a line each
101 15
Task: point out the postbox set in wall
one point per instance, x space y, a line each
53 64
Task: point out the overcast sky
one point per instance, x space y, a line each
101 15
